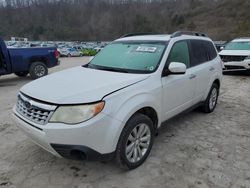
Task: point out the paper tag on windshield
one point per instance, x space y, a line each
146 49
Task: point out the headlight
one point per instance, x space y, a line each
76 113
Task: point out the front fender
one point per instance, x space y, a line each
123 108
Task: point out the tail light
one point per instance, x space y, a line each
57 54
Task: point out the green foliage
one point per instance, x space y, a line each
89 52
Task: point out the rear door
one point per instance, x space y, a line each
202 62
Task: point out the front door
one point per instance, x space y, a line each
178 90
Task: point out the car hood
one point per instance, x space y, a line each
79 85
235 52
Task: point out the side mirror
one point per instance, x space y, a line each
222 48
177 68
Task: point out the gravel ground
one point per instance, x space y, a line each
194 150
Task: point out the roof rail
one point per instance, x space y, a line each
193 33
138 34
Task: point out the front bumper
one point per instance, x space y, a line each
36 134
236 66
81 153
91 140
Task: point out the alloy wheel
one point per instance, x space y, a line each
213 99
138 143
40 70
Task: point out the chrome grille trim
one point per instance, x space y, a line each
38 104
34 111
228 58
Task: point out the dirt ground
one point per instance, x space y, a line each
195 150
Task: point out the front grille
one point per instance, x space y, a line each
33 110
227 58
233 67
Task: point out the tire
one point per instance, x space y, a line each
22 74
139 149
69 55
38 70
212 98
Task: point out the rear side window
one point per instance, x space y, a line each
212 53
201 52
179 53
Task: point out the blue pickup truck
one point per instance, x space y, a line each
24 61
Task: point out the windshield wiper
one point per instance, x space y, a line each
112 69
106 68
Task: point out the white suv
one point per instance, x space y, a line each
113 106
236 55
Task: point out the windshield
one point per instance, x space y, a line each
131 57
238 46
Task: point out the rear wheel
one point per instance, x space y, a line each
22 74
38 70
135 142
211 100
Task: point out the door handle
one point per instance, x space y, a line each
211 69
192 76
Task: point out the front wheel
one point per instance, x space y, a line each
135 142
211 100
38 70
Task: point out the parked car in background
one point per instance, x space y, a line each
98 49
69 52
78 48
220 45
236 55
24 61
115 105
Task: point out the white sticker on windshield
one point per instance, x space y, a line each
146 49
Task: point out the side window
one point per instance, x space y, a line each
212 53
179 53
198 52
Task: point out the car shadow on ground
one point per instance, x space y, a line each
13 81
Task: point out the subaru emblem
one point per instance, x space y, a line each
28 105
